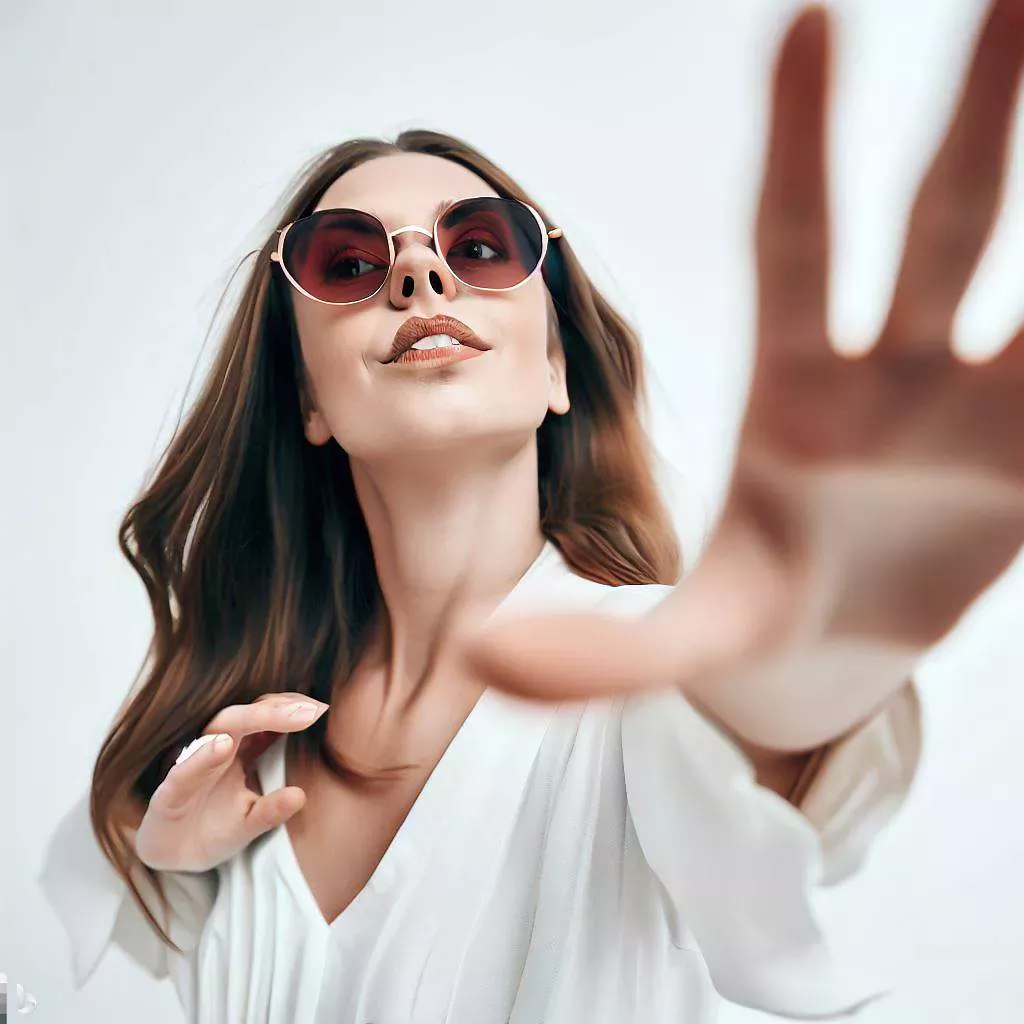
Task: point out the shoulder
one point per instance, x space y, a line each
627 600
563 586
634 598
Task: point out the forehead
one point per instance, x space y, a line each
403 188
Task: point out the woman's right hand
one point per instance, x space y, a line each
204 812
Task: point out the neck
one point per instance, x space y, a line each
449 544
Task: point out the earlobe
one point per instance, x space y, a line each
558 392
315 428
558 400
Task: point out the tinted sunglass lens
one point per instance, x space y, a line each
490 242
337 255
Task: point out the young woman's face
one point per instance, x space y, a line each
379 410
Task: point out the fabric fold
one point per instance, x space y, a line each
863 781
96 908
740 865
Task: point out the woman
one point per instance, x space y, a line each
352 520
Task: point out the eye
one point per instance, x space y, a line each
475 249
346 267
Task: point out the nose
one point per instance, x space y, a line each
418 269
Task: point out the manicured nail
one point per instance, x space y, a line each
189 749
301 708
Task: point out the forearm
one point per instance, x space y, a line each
771 671
806 699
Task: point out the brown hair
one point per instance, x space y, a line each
253 548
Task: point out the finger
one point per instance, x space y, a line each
272 810
792 222
252 746
1012 356
284 696
569 656
199 765
290 713
959 198
1012 364
250 730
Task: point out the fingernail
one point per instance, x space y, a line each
222 743
189 749
301 708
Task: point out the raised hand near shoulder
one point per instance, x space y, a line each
203 812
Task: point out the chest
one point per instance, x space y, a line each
340 836
345 828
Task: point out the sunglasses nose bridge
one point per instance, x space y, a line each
428 239
413 227
447 278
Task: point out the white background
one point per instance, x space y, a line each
144 147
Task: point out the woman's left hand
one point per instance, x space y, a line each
874 498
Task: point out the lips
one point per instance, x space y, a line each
417 327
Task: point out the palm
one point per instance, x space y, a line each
907 448
893 481
220 811
892 411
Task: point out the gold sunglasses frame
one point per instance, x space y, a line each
277 256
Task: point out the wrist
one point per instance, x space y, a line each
759 654
737 605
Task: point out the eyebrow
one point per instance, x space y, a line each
434 213
440 208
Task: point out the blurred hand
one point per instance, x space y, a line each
873 497
892 482
203 812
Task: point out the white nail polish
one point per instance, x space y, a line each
200 741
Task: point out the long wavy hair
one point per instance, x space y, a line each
251 542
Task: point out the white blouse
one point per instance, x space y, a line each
608 860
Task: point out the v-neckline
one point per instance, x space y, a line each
415 828
407 839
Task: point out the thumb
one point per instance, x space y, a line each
272 810
566 656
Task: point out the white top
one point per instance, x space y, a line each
609 860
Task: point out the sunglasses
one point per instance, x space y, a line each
343 256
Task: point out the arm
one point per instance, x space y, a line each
760 652
875 497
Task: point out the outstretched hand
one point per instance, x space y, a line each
874 496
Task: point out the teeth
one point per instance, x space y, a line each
436 341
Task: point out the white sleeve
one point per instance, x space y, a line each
740 865
863 781
96 907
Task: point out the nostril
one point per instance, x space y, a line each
407 286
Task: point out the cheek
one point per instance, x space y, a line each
519 378
370 413
335 367
330 344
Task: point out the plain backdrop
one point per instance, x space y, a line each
145 146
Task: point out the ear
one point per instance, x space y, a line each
314 426
316 429
558 391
